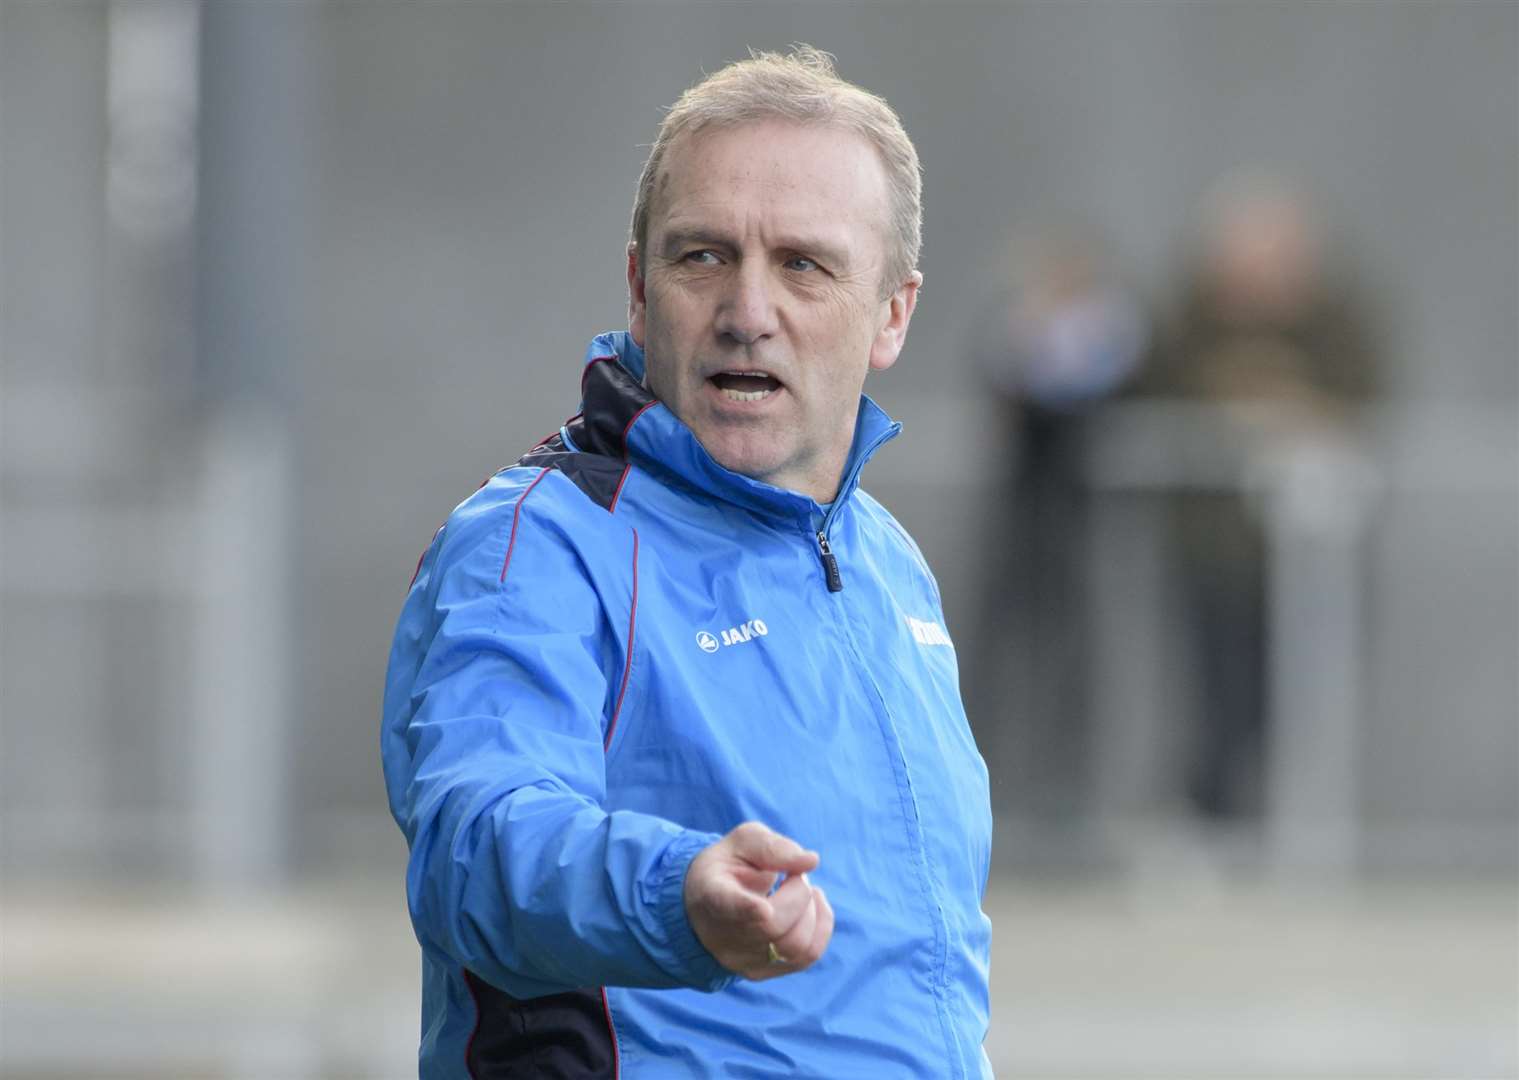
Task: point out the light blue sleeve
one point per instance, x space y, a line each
497 702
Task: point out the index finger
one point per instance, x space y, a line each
767 849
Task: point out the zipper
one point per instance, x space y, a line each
830 564
928 884
851 478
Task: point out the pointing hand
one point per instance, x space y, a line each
750 930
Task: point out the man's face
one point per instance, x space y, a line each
759 300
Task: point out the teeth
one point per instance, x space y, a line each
746 395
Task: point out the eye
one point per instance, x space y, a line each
802 264
702 257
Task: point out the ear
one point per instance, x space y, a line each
636 300
893 333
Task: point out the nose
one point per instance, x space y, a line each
746 312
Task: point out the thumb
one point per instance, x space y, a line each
766 849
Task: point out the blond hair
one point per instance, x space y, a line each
801 86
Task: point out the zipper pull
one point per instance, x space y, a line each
830 565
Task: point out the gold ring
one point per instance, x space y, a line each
775 957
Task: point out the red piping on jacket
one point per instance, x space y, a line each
516 513
469 1046
623 479
589 365
633 421
616 711
627 667
606 1007
422 556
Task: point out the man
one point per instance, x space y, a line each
672 724
1270 335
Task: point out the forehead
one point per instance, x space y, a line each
773 174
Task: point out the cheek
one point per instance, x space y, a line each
843 331
673 314
848 316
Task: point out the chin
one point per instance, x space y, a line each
755 462
753 466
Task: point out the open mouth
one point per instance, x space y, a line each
745 385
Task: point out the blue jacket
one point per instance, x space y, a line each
614 652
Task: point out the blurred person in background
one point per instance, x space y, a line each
640 670
1267 331
1054 350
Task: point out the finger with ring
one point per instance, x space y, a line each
774 956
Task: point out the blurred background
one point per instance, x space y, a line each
1220 313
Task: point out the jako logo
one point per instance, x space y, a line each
734 635
927 633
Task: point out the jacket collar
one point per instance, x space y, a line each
620 418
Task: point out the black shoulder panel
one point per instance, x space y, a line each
611 399
596 475
562 1036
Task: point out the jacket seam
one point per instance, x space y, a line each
621 480
469 1045
606 1006
916 556
627 667
591 363
907 798
516 518
633 420
416 573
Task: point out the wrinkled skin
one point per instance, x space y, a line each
738 918
765 254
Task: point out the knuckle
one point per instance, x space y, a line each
757 916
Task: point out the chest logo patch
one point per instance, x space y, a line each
927 633
734 635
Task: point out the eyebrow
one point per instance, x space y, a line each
683 236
